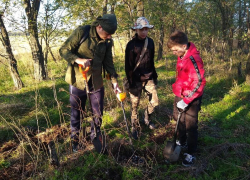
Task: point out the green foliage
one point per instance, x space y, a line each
224 118
131 173
4 164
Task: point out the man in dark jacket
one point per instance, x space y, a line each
144 77
188 89
96 53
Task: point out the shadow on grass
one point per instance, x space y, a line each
92 165
215 91
229 124
44 106
236 115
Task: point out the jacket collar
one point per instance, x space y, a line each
93 34
191 51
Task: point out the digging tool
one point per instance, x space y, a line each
135 159
172 151
99 140
84 74
121 97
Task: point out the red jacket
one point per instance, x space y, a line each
187 78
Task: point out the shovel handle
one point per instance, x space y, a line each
177 124
84 72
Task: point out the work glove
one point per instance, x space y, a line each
181 105
116 88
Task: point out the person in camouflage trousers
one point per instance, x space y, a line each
144 77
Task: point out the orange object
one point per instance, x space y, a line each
108 77
121 96
84 72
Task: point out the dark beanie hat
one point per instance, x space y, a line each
108 23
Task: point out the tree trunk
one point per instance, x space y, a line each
230 42
248 69
12 61
239 70
130 10
140 9
46 59
160 47
32 9
104 10
37 54
240 26
113 8
248 27
113 12
173 27
52 55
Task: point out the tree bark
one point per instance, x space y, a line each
240 26
104 10
161 41
130 9
12 61
113 7
248 27
239 70
248 69
52 55
230 41
32 9
140 9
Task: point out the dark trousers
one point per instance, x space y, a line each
78 100
188 124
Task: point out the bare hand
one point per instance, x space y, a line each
84 62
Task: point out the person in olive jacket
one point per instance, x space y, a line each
94 52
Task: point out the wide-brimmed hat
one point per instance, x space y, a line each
140 23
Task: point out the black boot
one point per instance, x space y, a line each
75 142
75 146
134 133
99 141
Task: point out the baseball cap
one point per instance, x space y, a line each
108 23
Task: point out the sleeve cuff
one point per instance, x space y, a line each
186 101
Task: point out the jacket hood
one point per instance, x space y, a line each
191 51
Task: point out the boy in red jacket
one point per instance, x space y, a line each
188 89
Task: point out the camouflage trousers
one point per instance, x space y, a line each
149 88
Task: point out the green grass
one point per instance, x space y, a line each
224 118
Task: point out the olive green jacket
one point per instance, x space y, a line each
100 51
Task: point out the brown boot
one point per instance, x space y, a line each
147 120
135 128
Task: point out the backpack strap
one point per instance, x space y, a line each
198 74
85 34
142 53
